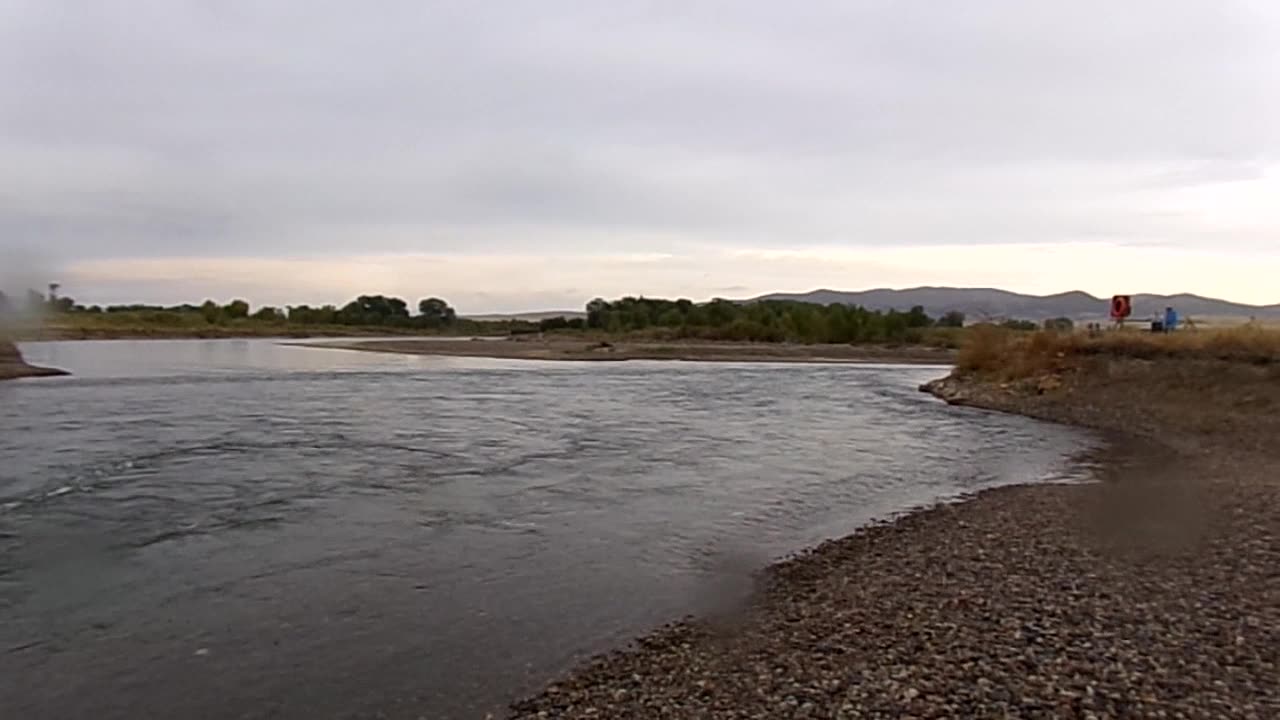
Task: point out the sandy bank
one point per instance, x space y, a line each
12 366
1151 594
574 349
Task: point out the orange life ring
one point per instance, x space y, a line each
1121 307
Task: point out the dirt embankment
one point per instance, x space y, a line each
12 365
575 349
1154 593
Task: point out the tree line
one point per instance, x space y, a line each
366 310
763 321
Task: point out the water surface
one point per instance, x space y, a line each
244 529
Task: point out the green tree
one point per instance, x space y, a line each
916 318
558 322
62 304
436 313
596 310
765 321
266 313
236 310
307 315
211 311
374 310
671 318
721 312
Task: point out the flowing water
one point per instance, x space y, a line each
245 529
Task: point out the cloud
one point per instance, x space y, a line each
237 131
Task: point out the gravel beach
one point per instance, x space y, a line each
1153 593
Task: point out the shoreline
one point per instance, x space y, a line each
15 371
13 367
560 349
1148 593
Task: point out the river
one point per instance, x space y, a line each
248 529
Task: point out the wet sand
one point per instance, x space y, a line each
580 350
1152 593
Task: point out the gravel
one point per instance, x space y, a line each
1154 593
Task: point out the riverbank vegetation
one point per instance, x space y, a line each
40 316
1008 355
768 321
628 317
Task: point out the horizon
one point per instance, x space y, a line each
539 156
463 312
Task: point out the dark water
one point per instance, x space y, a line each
241 529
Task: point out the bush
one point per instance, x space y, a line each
984 349
1023 325
1059 324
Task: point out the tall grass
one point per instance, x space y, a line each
1007 354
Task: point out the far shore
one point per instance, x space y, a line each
50 333
703 351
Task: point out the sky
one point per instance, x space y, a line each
531 155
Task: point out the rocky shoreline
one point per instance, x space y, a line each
1153 593
12 366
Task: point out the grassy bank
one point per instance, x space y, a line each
1210 388
999 353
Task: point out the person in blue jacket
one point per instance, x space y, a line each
1170 319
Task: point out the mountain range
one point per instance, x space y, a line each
993 304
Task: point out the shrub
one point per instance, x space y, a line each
983 349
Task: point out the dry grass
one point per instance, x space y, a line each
1010 355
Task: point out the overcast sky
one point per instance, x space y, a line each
532 155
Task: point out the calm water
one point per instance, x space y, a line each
242 529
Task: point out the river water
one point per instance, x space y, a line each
246 529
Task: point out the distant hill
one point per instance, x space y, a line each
993 304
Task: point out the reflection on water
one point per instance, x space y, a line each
238 528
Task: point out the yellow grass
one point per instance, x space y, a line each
1010 355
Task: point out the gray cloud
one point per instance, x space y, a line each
149 129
